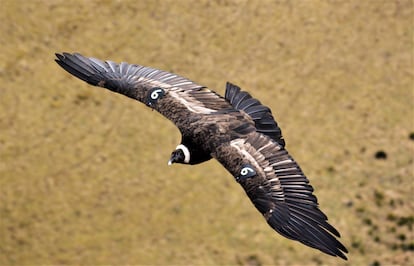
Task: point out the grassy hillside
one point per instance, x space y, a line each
83 172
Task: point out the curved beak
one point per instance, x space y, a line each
177 156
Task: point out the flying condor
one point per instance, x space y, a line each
236 130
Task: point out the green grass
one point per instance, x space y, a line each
83 171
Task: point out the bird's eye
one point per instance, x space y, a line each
246 172
154 95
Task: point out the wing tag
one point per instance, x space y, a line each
154 95
247 171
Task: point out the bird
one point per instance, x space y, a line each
237 130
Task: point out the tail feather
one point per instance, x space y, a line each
261 115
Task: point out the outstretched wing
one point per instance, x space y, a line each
280 191
166 92
261 115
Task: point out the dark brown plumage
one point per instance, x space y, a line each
236 130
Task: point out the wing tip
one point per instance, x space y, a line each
310 234
79 66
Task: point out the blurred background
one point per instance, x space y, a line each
83 171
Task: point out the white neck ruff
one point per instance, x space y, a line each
185 151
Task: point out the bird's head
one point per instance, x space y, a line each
180 155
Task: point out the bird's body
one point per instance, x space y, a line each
237 130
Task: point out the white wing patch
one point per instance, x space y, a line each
153 82
287 161
193 106
177 93
258 160
243 148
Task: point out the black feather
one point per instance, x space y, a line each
261 115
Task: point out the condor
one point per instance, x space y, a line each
236 130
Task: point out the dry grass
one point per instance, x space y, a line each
83 173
